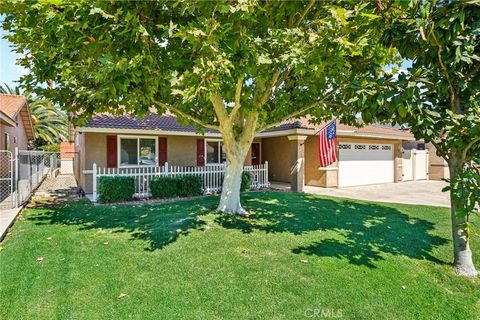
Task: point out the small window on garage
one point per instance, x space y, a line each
386 148
360 147
344 146
372 147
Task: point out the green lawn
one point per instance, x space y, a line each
297 254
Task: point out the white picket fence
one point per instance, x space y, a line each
212 176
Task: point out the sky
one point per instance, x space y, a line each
9 71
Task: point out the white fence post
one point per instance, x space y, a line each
17 195
166 169
266 174
94 198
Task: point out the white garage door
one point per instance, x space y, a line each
362 164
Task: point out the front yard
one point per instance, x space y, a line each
298 256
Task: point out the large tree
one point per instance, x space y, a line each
237 67
438 96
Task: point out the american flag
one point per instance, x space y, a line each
327 144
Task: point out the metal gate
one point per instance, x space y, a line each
7 185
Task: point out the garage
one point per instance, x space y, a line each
363 164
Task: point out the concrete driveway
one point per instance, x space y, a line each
424 192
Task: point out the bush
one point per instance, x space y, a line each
116 188
246 179
171 187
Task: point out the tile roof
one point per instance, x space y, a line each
305 123
150 122
11 104
169 122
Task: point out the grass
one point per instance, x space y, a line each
297 255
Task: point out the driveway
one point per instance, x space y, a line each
426 192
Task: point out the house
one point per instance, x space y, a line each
368 155
16 127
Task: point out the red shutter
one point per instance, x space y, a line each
111 151
162 151
200 152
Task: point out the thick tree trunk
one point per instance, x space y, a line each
230 198
463 261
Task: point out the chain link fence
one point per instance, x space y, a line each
21 174
7 186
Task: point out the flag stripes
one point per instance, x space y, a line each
327 144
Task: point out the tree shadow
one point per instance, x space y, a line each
158 225
360 232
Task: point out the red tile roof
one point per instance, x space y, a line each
11 104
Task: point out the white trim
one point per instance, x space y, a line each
119 137
328 168
205 152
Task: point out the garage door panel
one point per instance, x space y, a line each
362 164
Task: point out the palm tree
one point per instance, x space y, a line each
49 122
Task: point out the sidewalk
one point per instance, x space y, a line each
7 217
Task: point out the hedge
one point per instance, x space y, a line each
246 179
171 187
116 188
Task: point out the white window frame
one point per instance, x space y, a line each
205 152
119 148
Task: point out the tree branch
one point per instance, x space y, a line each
444 68
469 146
305 12
219 106
186 115
238 95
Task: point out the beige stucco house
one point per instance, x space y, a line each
367 155
16 127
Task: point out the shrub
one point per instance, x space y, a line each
116 188
246 179
171 187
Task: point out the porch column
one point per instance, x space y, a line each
297 162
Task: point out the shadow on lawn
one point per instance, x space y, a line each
159 225
362 233
359 232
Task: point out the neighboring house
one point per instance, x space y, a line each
16 127
368 155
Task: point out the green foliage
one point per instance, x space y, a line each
51 147
288 57
171 187
246 179
49 123
465 189
116 189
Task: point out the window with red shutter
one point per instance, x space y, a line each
162 151
200 152
111 151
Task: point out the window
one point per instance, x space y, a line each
344 146
386 148
360 146
6 141
136 151
372 147
214 152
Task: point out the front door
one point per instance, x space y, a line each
255 154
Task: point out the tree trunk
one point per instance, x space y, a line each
463 261
230 198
